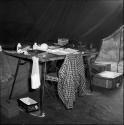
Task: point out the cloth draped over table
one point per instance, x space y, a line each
5 70
72 79
35 76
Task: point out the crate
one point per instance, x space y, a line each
108 79
28 105
100 67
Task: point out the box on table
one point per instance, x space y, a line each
27 104
100 67
108 79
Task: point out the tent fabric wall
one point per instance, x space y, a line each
88 21
8 65
111 51
112 47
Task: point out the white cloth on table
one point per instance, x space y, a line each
35 76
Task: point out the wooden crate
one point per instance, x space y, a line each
99 67
108 79
27 104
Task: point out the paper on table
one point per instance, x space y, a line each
62 51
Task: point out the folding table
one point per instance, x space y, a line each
43 58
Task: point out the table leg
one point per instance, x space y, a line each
15 76
89 72
40 112
90 79
43 72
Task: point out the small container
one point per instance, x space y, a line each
28 104
0 48
35 46
19 46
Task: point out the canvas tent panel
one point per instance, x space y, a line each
83 20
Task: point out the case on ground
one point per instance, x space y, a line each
108 79
27 104
99 67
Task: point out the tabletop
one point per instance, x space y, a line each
42 55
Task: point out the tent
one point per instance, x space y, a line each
85 22
29 21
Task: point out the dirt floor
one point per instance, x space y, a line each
104 106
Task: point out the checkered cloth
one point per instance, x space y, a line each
72 79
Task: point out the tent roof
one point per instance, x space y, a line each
46 20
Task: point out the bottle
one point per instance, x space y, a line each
0 48
35 46
19 46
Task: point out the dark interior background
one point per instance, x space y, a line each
29 21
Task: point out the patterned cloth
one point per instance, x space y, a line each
72 79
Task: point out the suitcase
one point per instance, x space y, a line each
99 67
27 104
108 79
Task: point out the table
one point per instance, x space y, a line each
43 58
